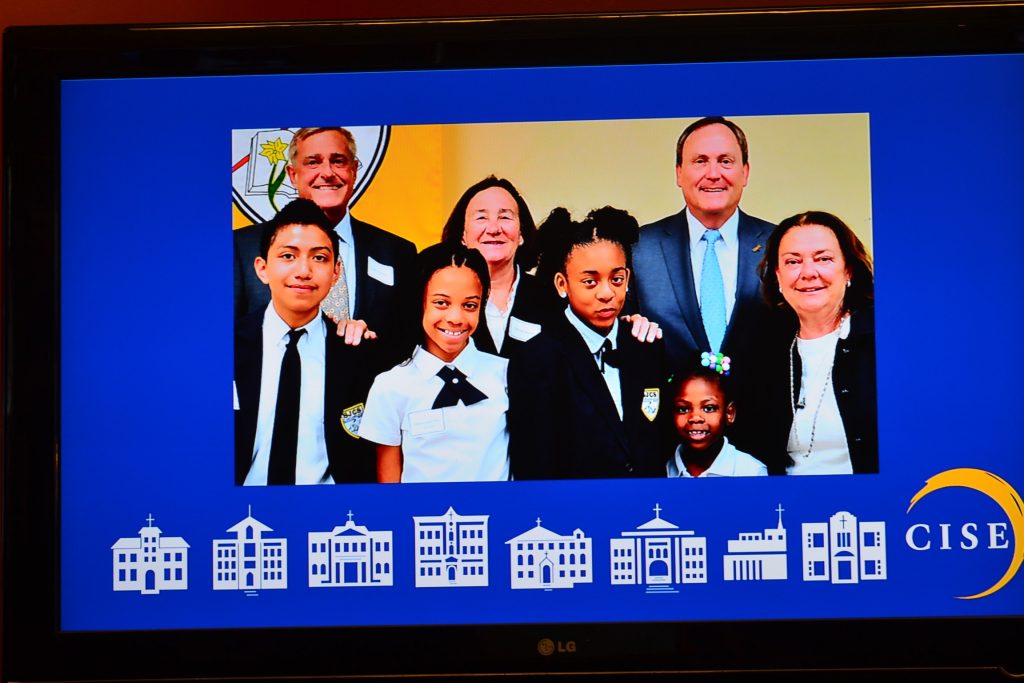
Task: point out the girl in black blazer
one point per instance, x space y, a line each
586 399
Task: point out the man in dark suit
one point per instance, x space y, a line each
376 265
696 271
299 389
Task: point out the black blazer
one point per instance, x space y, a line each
562 422
534 304
763 428
388 309
349 371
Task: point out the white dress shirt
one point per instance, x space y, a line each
730 462
456 443
311 463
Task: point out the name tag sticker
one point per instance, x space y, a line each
426 421
380 272
520 330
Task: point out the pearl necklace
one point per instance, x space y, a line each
801 404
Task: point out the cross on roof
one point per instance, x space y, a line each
842 521
780 510
350 515
657 510
150 519
538 521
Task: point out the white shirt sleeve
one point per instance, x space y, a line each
384 412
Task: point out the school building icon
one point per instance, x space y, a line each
350 555
250 561
659 554
451 550
757 556
543 559
150 562
844 550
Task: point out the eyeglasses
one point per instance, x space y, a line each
338 163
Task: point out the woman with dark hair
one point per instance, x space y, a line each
441 414
493 218
584 394
819 414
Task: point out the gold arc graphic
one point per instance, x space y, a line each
999 491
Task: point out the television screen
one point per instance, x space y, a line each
550 510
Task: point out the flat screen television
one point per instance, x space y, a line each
132 153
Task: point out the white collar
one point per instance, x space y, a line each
729 231
721 466
594 340
344 229
275 329
466 362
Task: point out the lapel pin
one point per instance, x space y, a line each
756 248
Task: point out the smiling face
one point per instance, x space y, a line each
712 174
451 311
812 273
492 226
324 171
701 414
595 281
300 269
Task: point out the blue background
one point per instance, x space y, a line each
147 335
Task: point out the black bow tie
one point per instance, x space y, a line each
606 355
456 388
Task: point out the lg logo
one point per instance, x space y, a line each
548 647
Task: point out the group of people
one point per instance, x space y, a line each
709 343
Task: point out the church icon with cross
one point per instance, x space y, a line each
844 550
251 561
150 562
451 550
659 555
544 559
350 555
757 556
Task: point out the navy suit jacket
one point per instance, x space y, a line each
349 371
562 421
389 310
666 294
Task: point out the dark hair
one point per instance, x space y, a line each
297 212
560 234
692 372
435 258
711 121
859 294
454 228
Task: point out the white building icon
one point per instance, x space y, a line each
451 550
350 555
757 556
843 550
543 559
249 561
151 562
659 554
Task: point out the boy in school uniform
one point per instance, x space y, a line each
702 413
299 388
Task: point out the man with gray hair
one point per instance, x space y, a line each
375 264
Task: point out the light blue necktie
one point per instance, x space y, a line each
712 293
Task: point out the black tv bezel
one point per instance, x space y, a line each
37 59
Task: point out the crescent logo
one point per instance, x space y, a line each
999 491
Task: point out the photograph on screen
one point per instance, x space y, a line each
598 336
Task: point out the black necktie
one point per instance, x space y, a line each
456 387
284 442
606 355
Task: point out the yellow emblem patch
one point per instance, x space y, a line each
652 401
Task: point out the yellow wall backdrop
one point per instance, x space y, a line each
797 163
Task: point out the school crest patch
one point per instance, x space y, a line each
350 419
652 401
